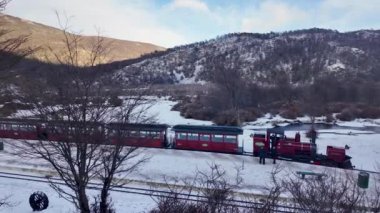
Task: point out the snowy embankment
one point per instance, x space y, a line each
365 146
20 190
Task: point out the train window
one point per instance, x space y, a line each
217 138
118 132
144 134
155 135
230 138
56 130
23 128
3 126
15 127
9 126
192 136
203 137
181 136
114 132
134 134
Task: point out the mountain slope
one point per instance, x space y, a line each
44 36
297 56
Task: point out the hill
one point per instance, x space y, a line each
300 56
49 37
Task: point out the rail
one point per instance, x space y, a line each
159 193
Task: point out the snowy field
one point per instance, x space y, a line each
365 145
20 191
365 149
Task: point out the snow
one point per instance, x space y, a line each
20 190
357 51
360 123
365 149
337 66
162 111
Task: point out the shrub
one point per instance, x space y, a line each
360 111
329 118
337 107
230 117
369 112
347 114
115 101
290 111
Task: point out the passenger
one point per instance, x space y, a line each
262 155
274 154
272 138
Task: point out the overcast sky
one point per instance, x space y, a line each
174 22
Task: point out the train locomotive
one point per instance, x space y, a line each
222 139
275 141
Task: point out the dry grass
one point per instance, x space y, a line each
44 36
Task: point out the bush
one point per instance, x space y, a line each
10 108
230 117
290 111
115 101
329 118
347 114
337 107
369 112
195 110
360 111
227 117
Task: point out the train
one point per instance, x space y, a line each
221 139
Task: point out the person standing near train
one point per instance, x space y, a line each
262 155
274 154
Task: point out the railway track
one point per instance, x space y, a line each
157 193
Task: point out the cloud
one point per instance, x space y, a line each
342 15
196 5
129 20
272 16
174 22
349 14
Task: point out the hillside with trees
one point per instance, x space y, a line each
312 72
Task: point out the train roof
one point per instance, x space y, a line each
18 121
135 126
208 129
277 130
33 121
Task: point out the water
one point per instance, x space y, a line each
299 126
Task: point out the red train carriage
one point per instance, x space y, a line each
19 129
88 132
50 130
208 138
140 135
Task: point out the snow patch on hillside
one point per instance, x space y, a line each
337 66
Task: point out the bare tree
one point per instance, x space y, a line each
372 196
271 193
335 193
74 103
4 202
217 188
207 191
229 80
12 50
178 198
3 4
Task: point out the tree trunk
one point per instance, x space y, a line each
83 200
104 196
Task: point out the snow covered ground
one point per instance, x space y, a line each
20 190
365 148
